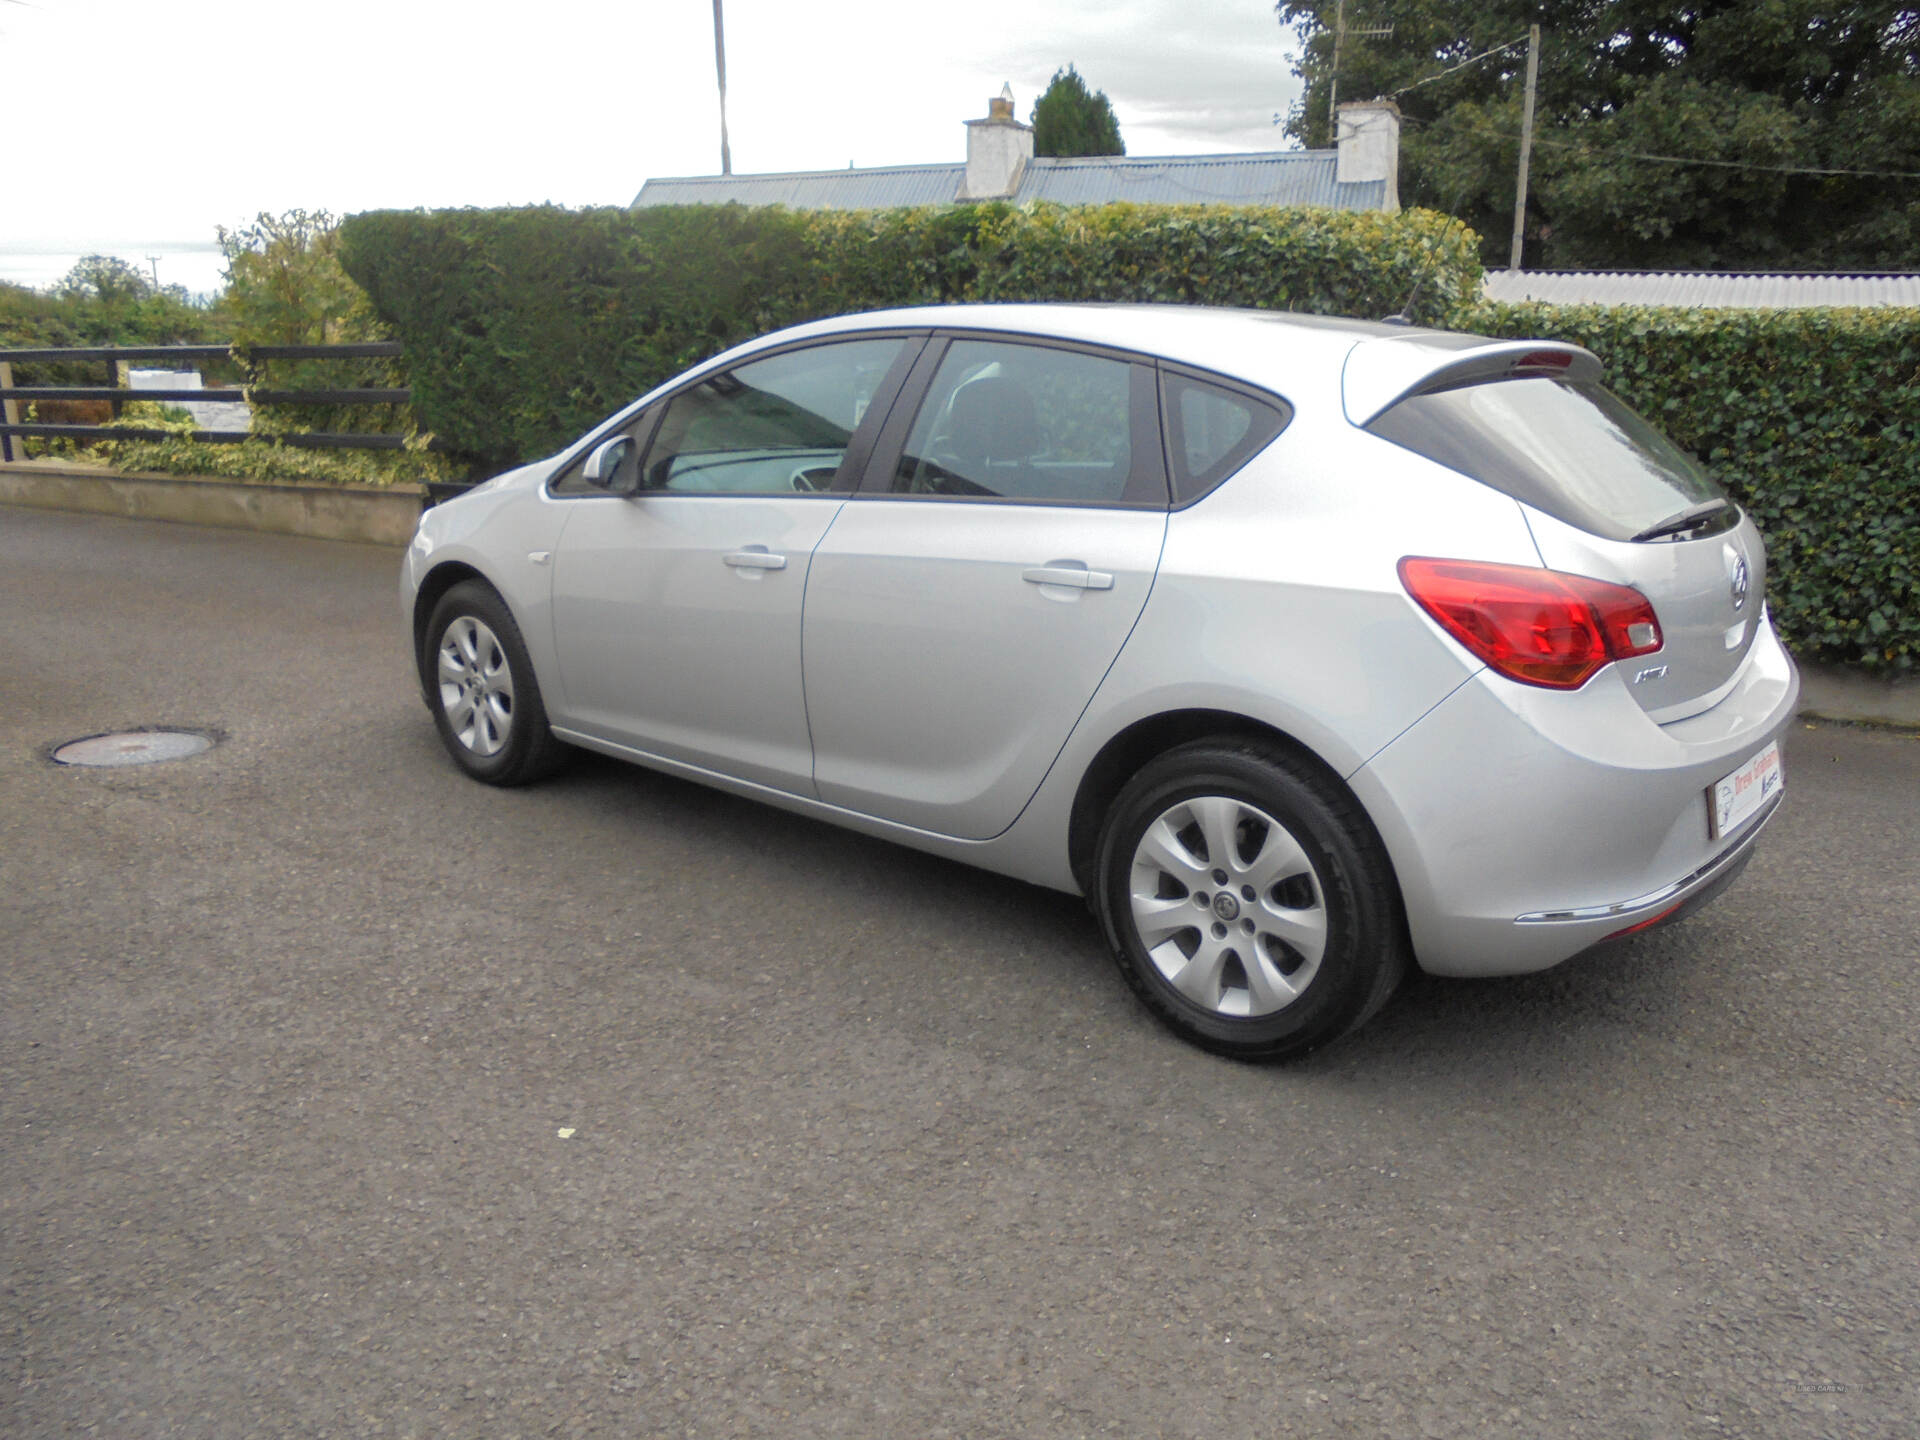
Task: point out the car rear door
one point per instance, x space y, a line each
970 596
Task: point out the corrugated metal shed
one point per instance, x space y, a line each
1701 290
1278 177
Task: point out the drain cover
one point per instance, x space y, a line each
132 747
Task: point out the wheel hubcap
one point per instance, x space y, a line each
476 686
1228 906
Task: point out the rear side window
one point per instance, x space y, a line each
1574 450
1011 421
1212 431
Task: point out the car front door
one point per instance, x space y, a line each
969 598
677 607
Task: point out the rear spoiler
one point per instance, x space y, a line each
1379 374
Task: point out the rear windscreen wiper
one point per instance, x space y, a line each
1690 518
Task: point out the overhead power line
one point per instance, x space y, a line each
1519 44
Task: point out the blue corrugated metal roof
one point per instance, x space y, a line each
1277 177
1283 177
879 188
1701 289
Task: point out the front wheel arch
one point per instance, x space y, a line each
436 583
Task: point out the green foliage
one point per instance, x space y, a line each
524 327
110 280
262 459
102 301
265 460
1811 419
1068 119
285 287
1743 91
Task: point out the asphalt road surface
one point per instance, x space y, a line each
342 1096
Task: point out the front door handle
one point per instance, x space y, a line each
755 557
1078 577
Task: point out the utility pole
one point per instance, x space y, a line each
1526 149
154 262
1340 33
720 69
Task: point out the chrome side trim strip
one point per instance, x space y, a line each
1666 892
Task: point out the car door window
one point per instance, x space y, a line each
1212 431
775 426
1030 422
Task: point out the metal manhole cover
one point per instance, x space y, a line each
132 747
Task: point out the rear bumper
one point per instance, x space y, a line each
1527 825
1713 876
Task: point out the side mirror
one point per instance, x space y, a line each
608 467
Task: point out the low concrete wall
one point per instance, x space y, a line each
378 515
1828 692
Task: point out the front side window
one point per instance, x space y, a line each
774 426
1023 422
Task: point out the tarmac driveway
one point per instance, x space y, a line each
342 1096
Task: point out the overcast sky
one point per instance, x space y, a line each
363 104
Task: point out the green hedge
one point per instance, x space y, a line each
524 327
1811 419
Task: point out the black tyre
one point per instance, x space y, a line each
481 688
1248 900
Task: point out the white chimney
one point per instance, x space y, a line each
998 149
1368 142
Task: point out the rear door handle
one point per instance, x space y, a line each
1075 576
755 557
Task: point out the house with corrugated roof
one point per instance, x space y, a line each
1361 172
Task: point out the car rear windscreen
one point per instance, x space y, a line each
1571 449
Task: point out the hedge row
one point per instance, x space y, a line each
524 327
1811 419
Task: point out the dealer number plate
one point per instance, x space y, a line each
1735 798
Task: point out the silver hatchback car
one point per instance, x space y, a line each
1305 649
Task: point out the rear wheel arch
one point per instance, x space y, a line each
1145 741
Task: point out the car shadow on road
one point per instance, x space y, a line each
1041 941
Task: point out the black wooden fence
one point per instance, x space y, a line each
251 357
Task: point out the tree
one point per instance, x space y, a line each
105 278
285 287
104 300
1667 134
1068 120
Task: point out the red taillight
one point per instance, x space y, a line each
1537 626
1543 362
